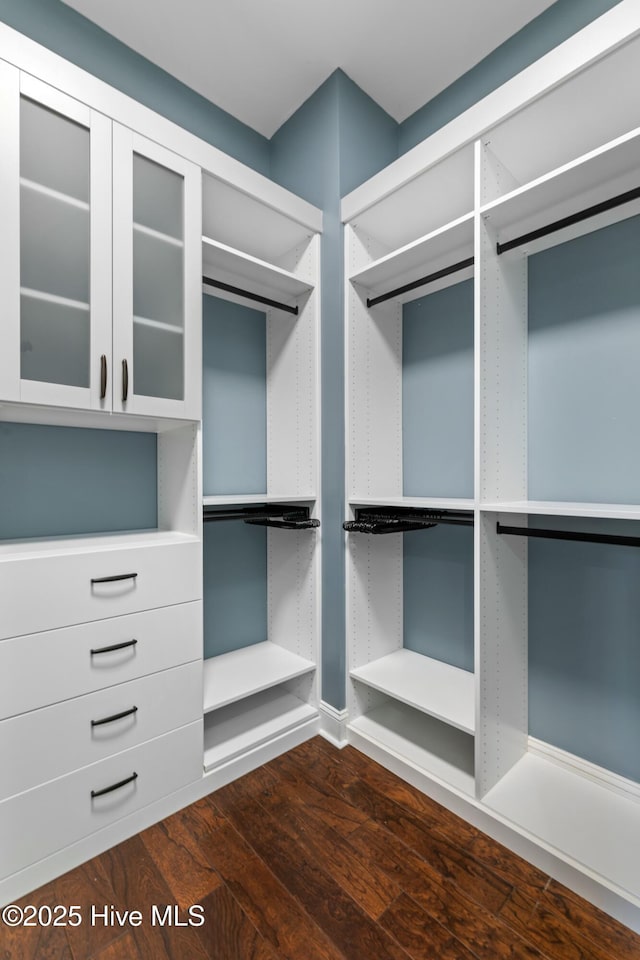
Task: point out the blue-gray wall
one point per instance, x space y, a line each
62 481
557 23
63 30
234 398
438 594
337 139
235 586
437 394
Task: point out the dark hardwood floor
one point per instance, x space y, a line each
319 855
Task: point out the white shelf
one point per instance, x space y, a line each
159 325
431 686
221 262
426 503
438 749
158 235
222 500
575 816
32 548
243 726
440 248
53 194
241 673
560 508
598 175
54 298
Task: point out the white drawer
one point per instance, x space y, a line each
44 668
42 591
48 743
35 824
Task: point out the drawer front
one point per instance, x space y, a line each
45 668
44 744
35 824
57 590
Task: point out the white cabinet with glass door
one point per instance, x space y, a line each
157 279
99 260
56 247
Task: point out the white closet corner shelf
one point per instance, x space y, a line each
433 261
422 503
564 508
242 499
240 273
239 674
593 191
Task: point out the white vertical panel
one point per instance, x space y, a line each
503 370
292 399
374 604
375 388
179 482
502 667
495 178
10 232
101 254
122 261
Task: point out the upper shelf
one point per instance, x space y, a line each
561 508
439 249
598 176
221 262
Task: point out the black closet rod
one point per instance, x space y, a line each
578 217
618 540
250 296
445 272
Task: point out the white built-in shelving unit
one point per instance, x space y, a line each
263 696
554 142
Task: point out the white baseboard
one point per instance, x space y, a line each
600 775
333 725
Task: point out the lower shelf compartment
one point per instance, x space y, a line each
577 816
436 688
440 750
241 673
245 725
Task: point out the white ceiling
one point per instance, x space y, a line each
261 59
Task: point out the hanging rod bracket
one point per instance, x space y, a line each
380 520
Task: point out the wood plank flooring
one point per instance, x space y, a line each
320 855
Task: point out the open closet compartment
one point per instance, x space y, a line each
261 359
260 476
124 504
559 472
411 688
409 296
550 203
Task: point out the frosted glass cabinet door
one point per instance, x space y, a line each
157 279
59 300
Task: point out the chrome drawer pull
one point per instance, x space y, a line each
115 716
114 786
118 576
114 646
